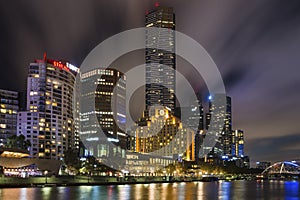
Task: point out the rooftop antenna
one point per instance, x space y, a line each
45 56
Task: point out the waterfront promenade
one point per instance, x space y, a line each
85 180
102 180
42 181
93 180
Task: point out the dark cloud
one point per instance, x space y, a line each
285 147
236 76
255 44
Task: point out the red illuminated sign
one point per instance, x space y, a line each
60 65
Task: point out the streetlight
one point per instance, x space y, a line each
46 172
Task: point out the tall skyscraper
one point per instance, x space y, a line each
217 150
49 122
197 108
110 112
9 102
194 121
226 138
237 143
160 132
160 64
224 143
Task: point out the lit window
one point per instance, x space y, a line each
2 125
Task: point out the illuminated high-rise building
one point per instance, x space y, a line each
49 122
9 102
198 116
110 102
194 121
160 133
160 64
226 138
224 143
237 143
217 150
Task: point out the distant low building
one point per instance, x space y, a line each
139 163
16 162
158 140
263 165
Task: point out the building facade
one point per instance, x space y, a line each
238 143
218 150
9 102
224 143
163 135
160 133
110 101
48 123
193 118
226 138
160 64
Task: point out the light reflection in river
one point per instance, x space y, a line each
165 191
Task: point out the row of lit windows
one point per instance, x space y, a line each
104 93
105 83
8 111
159 21
98 72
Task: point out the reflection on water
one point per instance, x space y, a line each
224 192
292 190
165 191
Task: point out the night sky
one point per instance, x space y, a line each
255 44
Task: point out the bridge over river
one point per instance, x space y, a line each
282 170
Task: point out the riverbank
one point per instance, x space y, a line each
18 182
8 182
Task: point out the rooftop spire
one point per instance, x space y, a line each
45 56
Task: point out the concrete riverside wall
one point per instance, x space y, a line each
79 180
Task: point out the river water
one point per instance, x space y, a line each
167 191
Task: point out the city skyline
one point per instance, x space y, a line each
270 123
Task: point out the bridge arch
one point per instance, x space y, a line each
284 167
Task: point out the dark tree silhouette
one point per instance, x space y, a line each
18 142
71 160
